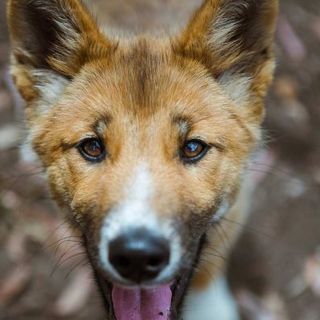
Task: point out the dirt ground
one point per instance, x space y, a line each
275 269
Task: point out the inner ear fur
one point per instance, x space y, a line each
55 35
233 39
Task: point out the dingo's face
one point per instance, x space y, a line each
144 141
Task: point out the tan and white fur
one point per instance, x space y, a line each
144 96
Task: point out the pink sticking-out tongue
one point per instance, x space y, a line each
142 304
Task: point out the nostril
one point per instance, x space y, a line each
139 255
155 264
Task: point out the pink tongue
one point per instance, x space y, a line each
142 304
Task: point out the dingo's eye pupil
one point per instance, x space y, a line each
92 149
193 150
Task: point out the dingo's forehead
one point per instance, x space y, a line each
144 92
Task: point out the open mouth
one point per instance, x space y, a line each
158 303
137 303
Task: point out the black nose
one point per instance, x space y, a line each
139 255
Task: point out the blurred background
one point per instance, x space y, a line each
275 269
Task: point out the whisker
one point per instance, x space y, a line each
224 235
82 263
248 227
60 262
57 244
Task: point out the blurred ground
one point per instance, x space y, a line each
275 270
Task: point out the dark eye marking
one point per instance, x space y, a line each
92 149
193 150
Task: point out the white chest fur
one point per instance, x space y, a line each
213 303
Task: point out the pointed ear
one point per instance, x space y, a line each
234 40
51 40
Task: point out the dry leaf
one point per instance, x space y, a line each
268 307
75 295
14 283
9 137
312 273
289 40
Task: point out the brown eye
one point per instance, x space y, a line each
193 150
92 149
